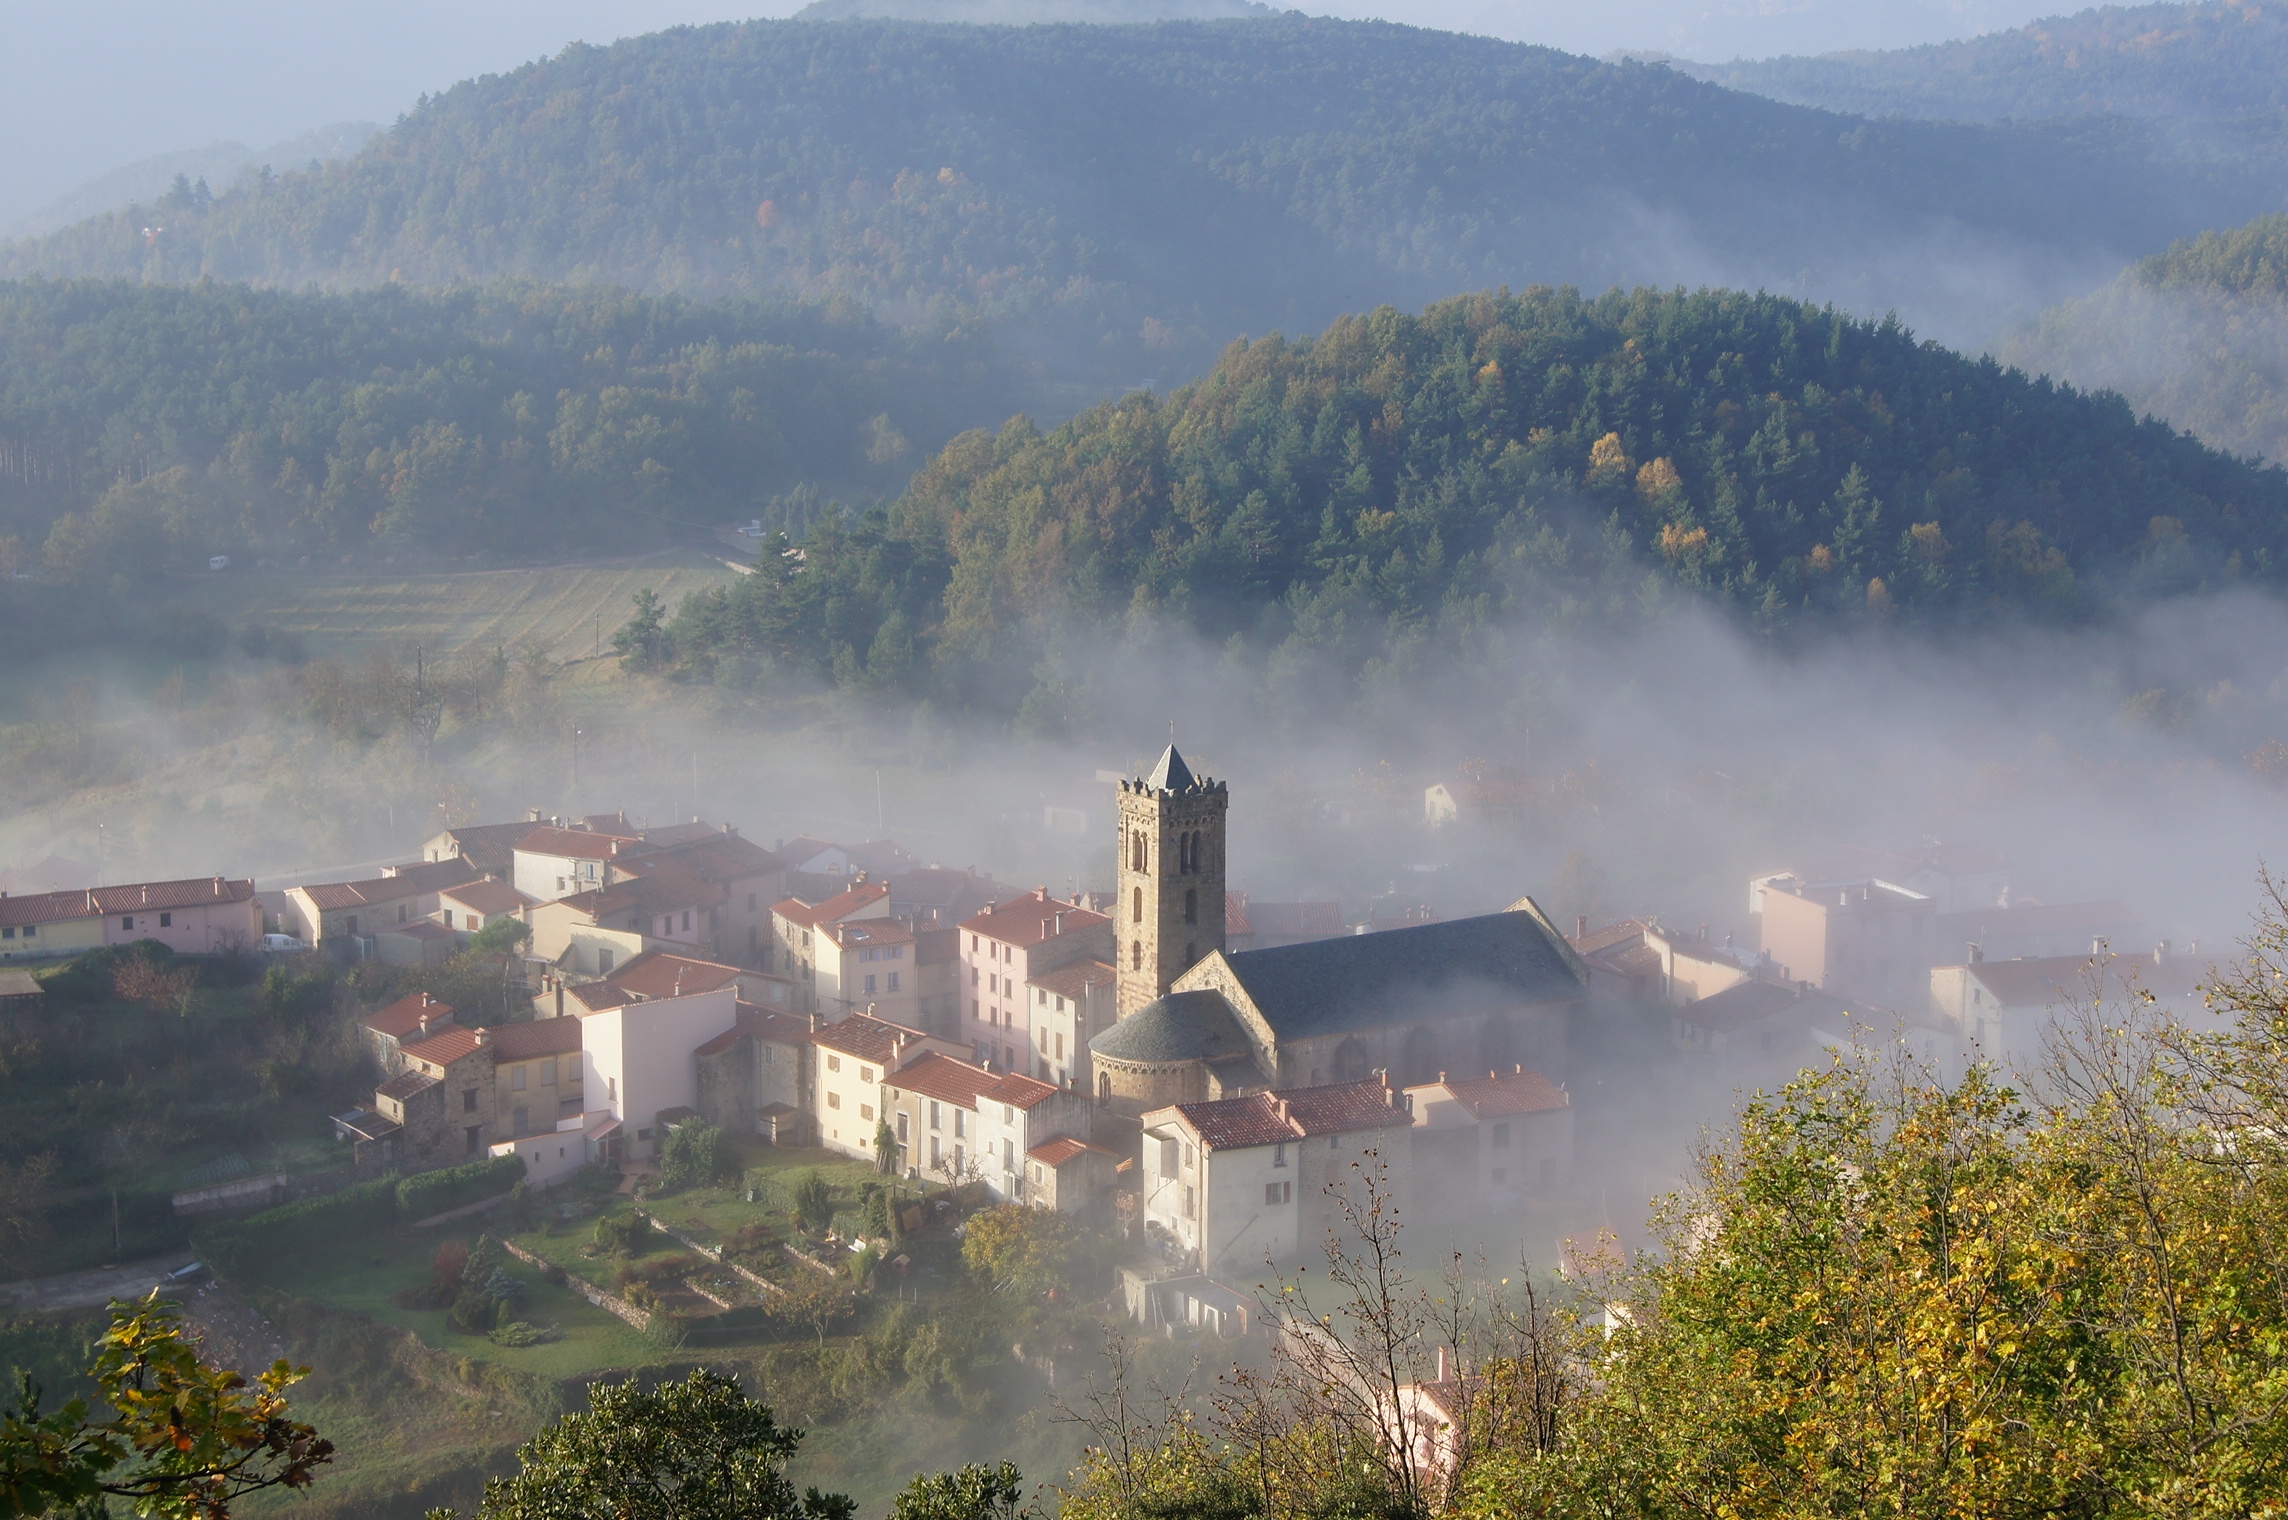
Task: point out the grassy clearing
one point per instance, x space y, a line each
362 1275
556 607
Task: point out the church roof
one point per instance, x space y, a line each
1171 774
1183 1026
1359 981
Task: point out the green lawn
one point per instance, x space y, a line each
361 1275
565 610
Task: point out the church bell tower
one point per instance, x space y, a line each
1169 911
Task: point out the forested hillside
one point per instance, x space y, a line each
1391 487
148 425
2213 61
1125 200
2197 335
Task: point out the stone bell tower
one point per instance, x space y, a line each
1169 910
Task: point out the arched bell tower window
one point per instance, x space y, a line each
1136 912
1136 956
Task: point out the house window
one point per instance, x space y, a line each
1501 1137
865 1073
834 1100
476 1138
936 1156
1279 1153
834 1063
1008 1114
603 961
1191 1204
1008 1155
865 1110
349 925
959 1127
936 1115
448 918
686 918
559 883
548 1073
611 1089
522 1124
127 921
1278 1192
893 981
516 1079
902 1117
166 920
468 1100
869 986
1060 1045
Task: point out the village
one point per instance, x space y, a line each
1204 1074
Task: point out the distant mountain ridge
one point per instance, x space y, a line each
1032 12
219 164
1123 201
2211 60
2197 335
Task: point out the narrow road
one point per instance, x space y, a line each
91 1289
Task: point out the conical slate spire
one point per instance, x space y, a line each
1171 774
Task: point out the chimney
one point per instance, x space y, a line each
218 884
1060 921
146 894
1843 898
1704 934
532 815
1521 1068
1442 1077
2160 952
425 1023
2096 944
814 1021
1976 952
484 1037
1580 926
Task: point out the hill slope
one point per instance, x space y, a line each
2213 60
1397 483
2198 335
1135 196
146 424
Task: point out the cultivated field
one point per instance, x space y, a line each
567 610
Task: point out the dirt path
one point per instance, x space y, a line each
91 1289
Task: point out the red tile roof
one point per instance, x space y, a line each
1020 1091
864 1036
420 928
454 1044
802 850
488 897
1498 1095
489 846
573 844
773 1024
1074 980
1031 919
840 906
1062 1149
598 997
433 875
721 1042
1294 1113
94 902
660 973
1627 931
720 858
527 1038
403 1017
661 891
327 896
942 1076
405 1084
867 931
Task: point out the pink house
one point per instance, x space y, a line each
1004 946
203 916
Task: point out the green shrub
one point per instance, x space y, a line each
624 1234
812 1202
427 1194
518 1333
692 1155
242 1245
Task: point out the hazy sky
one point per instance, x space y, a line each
88 85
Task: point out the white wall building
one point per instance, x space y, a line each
637 1061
